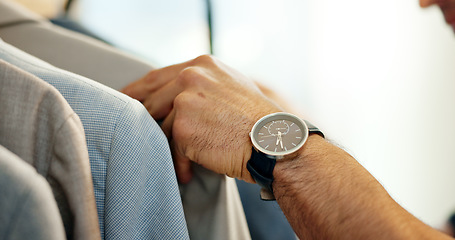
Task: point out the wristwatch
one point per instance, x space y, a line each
275 136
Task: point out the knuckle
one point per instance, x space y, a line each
205 59
182 131
190 76
182 100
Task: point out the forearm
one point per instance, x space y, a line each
327 194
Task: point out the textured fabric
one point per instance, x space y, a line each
211 199
38 125
27 206
211 202
134 181
66 49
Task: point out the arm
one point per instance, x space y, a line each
323 191
326 194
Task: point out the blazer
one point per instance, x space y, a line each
90 58
133 175
38 125
28 208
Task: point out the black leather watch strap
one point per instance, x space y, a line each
261 169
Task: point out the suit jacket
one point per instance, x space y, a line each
38 125
28 208
66 49
218 213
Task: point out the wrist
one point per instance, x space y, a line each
328 194
292 168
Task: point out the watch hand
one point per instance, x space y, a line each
281 141
278 138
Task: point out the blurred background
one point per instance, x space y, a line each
378 77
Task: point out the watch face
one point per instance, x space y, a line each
279 134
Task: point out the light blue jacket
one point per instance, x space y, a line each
134 181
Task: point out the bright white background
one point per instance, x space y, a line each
378 77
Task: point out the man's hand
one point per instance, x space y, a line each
208 111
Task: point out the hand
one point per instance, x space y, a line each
208 110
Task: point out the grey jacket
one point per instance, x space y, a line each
66 49
27 206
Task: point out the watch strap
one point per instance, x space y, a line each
261 168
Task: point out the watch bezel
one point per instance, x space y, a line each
279 116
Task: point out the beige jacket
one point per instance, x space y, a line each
38 125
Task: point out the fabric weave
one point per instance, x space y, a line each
134 181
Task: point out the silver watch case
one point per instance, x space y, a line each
275 117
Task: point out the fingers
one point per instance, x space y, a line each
159 103
137 89
167 124
182 165
154 80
